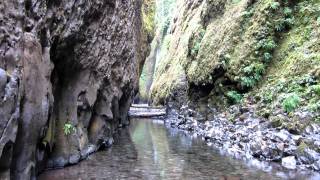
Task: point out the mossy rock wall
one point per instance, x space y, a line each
235 45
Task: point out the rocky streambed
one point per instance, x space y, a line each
251 137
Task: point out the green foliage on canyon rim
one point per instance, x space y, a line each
148 16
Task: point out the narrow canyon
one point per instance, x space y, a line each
160 89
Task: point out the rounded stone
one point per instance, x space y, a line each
289 162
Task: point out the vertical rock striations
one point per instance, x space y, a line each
68 72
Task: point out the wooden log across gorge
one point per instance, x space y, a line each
146 111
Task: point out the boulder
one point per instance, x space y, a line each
289 162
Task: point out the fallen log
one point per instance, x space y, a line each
146 106
145 111
146 114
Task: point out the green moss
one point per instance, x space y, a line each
148 16
277 121
266 114
267 96
302 146
316 89
262 48
293 62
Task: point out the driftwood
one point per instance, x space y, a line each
146 106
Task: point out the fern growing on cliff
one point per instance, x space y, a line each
234 97
316 89
275 5
291 103
68 129
197 42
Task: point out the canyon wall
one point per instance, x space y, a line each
68 72
161 18
220 53
241 72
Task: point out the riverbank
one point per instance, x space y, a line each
249 136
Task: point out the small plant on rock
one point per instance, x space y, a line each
247 82
267 96
247 14
275 5
267 44
316 89
68 129
252 74
234 97
287 11
291 103
267 57
197 42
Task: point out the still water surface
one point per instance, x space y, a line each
150 150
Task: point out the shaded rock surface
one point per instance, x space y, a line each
68 72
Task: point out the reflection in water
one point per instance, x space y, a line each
149 150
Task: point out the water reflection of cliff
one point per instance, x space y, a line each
149 150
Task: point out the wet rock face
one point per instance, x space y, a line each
68 72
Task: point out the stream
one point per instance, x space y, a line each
148 149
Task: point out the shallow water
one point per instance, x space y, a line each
150 150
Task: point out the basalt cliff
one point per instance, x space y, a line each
68 72
241 73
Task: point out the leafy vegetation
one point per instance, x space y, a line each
197 43
286 21
68 129
291 103
267 96
234 97
252 74
148 16
275 5
268 54
248 13
316 89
